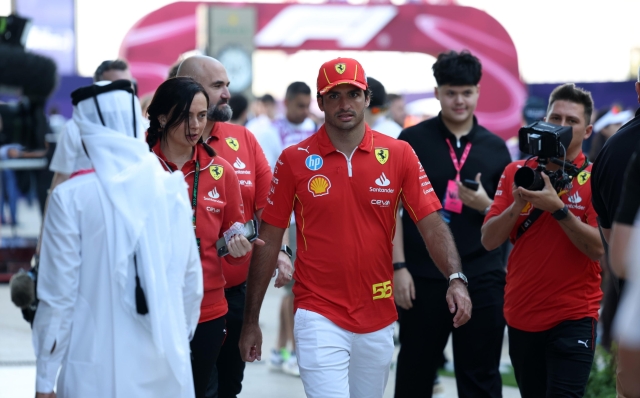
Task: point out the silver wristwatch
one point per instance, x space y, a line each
458 275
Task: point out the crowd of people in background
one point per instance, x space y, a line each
369 218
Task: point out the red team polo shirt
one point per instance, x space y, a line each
219 206
548 279
345 220
239 147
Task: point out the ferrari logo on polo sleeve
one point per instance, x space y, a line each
233 143
583 177
382 154
340 68
216 171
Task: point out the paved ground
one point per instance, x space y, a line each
17 362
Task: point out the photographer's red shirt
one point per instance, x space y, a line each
548 279
239 147
345 207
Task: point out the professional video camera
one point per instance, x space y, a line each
549 143
29 77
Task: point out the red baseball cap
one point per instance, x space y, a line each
341 71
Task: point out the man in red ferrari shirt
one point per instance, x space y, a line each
553 292
239 147
344 184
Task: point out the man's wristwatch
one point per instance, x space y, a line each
458 275
397 266
287 251
561 214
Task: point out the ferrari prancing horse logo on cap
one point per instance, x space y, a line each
216 171
340 68
382 154
233 143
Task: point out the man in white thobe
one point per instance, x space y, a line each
87 322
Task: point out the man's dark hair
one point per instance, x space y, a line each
569 92
238 104
105 66
172 98
378 93
296 88
267 99
457 69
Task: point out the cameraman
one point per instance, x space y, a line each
553 291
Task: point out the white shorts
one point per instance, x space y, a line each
336 363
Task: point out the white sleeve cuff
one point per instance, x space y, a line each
46 373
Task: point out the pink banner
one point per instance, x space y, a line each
157 40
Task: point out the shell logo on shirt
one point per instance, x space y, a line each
319 185
340 68
583 177
233 143
216 171
382 154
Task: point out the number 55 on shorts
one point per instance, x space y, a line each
382 290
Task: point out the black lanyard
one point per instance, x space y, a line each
194 196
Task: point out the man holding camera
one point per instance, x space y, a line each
553 291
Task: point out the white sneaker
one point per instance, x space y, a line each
290 367
276 360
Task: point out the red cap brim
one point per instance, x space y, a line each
332 85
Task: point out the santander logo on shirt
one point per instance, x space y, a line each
574 200
382 181
238 164
213 196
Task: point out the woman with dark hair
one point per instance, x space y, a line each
177 115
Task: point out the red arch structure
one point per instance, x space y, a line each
156 41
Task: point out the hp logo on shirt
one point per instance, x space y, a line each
313 162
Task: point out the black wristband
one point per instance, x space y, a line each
397 266
561 214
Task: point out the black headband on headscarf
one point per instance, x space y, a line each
94 90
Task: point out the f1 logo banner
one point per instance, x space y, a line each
156 41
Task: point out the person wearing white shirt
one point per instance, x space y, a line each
120 280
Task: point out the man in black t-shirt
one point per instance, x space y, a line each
607 180
454 150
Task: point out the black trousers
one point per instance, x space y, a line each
205 347
477 345
228 372
556 362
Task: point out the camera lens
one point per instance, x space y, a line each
529 179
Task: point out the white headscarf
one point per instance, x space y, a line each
136 186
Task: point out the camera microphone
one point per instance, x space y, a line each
22 287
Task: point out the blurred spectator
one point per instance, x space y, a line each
606 126
376 114
397 112
240 108
535 109
56 121
264 110
289 129
421 110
